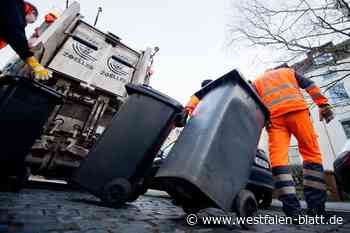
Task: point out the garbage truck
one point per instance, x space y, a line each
90 70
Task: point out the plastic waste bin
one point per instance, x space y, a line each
211 161
119 160
25 106
260 182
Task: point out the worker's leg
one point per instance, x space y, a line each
279 139
314 185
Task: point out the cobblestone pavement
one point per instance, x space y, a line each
40 210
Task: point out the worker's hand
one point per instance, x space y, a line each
326 113
39 72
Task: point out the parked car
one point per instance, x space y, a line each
342 170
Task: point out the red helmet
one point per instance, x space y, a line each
30 8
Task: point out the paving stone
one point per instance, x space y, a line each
46 211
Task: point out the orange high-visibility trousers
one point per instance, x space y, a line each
299 124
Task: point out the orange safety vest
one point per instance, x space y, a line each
280 92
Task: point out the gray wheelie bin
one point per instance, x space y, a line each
120 159
211 161
25 106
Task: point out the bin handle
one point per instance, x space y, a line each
123 62
15 78
83 41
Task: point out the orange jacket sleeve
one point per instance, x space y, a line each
316 95
312 89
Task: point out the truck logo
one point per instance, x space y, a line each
115 67
83 51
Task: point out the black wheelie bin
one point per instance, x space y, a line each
211 161
123 155
260 182
25 106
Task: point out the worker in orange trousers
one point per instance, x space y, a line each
280 90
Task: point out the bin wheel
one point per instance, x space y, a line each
117 191
143 189
176 202
245 205
21 179
190 208
265 200
138 191
133 196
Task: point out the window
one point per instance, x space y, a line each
338 93
346 127
323 58
329 76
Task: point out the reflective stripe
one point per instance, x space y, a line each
278 89
313 173
285 191
283 177
314 184
283 98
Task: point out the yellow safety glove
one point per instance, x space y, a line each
39 72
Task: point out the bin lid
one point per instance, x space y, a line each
236 77
19 80
149 91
